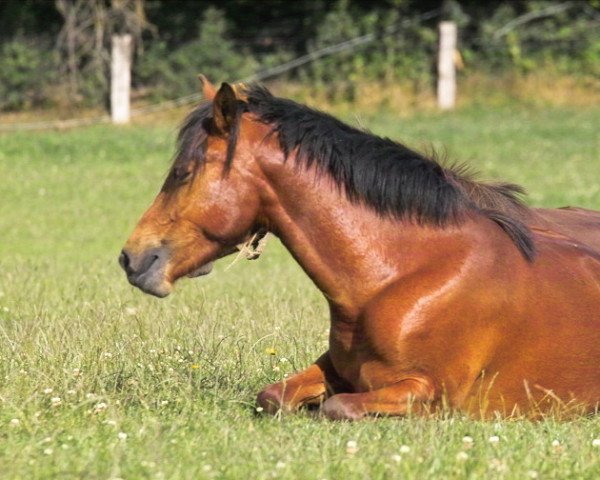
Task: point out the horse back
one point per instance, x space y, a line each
579 224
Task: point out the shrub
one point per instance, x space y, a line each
398 52
26 71
173 73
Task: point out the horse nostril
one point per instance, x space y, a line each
136 265
124 261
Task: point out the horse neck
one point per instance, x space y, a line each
347 249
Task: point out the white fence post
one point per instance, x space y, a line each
120 77
446 84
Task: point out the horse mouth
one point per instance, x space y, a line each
153 284
160 290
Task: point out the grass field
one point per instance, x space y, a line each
99 381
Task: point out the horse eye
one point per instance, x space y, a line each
182 174
185 177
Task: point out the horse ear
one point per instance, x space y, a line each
208 89
225 105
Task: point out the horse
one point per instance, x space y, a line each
443 291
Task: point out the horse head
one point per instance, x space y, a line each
208 204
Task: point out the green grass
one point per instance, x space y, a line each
179 376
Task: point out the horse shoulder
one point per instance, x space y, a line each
440 322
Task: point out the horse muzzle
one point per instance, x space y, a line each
146 270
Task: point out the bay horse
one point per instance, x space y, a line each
443 291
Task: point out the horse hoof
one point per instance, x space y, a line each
270 399
339 407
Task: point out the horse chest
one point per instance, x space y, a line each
346 350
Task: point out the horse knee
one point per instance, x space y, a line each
342 407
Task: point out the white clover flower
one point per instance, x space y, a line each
76 372
55 401
47 440
100 407
404 449
279 465
48 451
71 392
48 390
15 422
498 465
111 423
532 474
164 402
596 442
122 436
396 458
283 360
467 440
351 447
259 409
494 439
462 456
555 443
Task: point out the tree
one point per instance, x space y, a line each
84 41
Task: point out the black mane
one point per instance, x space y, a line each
190 142
378 172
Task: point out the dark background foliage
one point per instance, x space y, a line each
234 39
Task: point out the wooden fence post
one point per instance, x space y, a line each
120 77
446 84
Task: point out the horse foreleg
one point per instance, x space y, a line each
308 387
393 400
